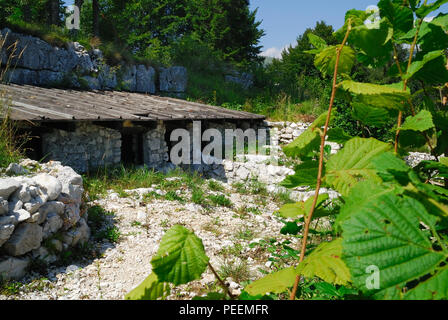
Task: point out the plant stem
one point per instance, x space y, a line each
223 285
321 161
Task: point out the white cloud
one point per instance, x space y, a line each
428 19
273 52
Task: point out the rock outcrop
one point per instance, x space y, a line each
39 63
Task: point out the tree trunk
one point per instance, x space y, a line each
96 15
54 12
79 4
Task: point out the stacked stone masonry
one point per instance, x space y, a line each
40 215
90 146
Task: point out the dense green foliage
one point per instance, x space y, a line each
389 237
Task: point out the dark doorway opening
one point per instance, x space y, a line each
132 148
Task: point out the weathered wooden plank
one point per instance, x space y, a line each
60 104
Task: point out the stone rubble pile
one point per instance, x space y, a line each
40 215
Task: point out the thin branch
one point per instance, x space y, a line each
223 285
321 160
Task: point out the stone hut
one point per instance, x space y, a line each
90 129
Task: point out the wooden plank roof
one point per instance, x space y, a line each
49 104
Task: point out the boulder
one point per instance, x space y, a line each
49 78
68 176
22 76
13 268
145 78
52 207
35 203
8 186
23 194
173 79
78 234
21 215
53 224
15 169
38 54
49 184
27 237
14 205
107 78
91 83
129 78
6 231
44 255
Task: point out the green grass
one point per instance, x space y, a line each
111 234
198 196
237 270
244 233
220 200
173 196
122 178
9 151
215 186
98 220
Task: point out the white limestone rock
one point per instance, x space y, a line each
8 186
6 231
49 184
13 268
27 237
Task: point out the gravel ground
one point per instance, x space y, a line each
121 266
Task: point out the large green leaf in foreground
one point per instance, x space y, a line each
353 164
325 61
420 122
393 235
377 96
181 257
276 282
326 263
149 289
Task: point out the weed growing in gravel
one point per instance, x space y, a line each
136 224
97 218
111 234
258 188
232 251
236 269
220 200
215 186
254 210
244 233
197 196
283 198
240 188
165 223
173 196
10 288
